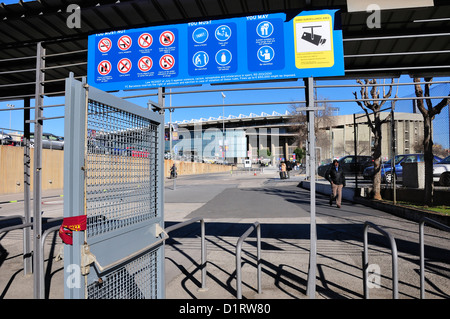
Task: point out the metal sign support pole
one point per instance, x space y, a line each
309 92
393 138
37 185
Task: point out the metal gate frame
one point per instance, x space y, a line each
125 258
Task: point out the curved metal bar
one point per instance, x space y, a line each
256 226
366 258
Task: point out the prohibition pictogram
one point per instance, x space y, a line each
104 67
104 45
145 40
145 63
167 62
124 65
167 38
124 42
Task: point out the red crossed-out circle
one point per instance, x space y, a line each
104 67
167 62
167 38
145 40
145 64
124 65
124 42
104 45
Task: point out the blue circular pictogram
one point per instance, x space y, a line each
200 35
266 53
223 57
264 29
200 59
223 33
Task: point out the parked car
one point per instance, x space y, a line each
49 140
349 165
386 174
369 171
6 139
441 172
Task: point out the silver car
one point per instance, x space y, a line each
6 139
49 141
441 172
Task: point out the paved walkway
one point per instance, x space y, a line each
229 204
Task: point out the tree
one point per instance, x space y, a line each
374 104
428 113
300 153
323 119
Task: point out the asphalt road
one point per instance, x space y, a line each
231 203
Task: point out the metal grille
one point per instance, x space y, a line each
135 280
121 168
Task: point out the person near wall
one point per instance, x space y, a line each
335 175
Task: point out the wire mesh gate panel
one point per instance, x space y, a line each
113 174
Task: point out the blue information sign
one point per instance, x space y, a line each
253 48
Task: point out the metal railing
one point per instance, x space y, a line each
203 244
422 249
39 292
256 226
366 258
26 240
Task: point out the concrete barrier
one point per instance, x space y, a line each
12 169
409 213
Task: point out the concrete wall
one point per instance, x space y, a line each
189 168
12 169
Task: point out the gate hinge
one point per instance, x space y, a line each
87 258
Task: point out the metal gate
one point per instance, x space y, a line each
113 197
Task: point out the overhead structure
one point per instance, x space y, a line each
389 42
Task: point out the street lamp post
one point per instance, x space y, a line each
10 106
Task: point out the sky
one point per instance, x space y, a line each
13 119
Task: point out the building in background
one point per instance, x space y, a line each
272 138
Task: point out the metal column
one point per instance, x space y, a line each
27 244
37 219
309 92
74 180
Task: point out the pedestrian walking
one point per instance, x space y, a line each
335 175
173 171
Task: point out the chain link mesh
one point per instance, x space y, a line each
136 280
121 169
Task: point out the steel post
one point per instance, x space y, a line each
311 285
37 183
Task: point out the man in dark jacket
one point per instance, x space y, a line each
335 175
